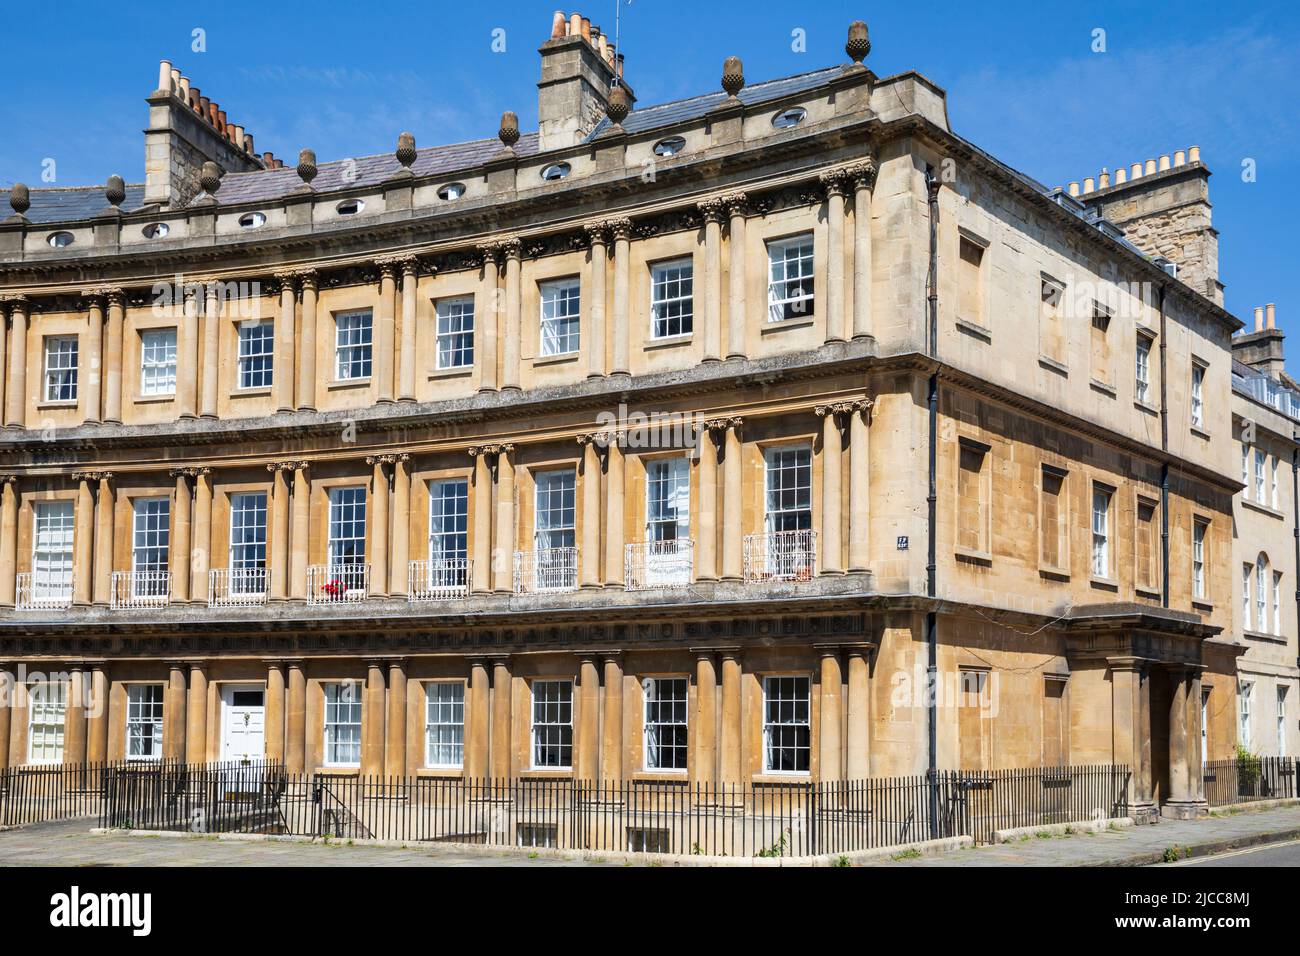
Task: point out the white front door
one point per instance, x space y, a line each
243 714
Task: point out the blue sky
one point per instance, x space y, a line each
1023 82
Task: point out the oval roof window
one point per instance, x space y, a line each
670 146
350 207
451 191
251 220
60 239
791 117
555 171
156 230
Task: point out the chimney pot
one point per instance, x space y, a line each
1074 189
221 121
575 24
586 29
1103 181
1164 162
1259 318
248 145
1150 167
1180 157
176 80
268 160
1193 154
1087 185
1270 316
1121 175
165 75
557 24
1135 171
185 87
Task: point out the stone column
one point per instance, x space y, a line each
836 185
378 521
397 572
8 703
196 722
372 720
299 539
1131 695
1179 802
706 719
730 755
502 683
829 719
858 763
307 348
83 536
406 354
175 712
733 532
611 739
274 717
187 354
212 350
859 487
476 731
621 230
713 211
738 209
589 558
16 393
587 751
282 374
201 553
8 549
4 368
596 235
74 718
487 311
614 490
864 179
277 555
503 561
104 508
395 742
510 347
481 573
180 557
96 716
832 551
706 546
1195 767
113 357
94 357
385 322
295 718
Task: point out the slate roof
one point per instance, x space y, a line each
76 202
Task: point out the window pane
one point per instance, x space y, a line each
455 346
665 723
61 369
552 727
158 362
352 345
786 727
343 723
144 721
671 299
559 325
790 282
445 725
256 354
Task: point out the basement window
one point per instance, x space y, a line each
670 146
60 239
451 191
555 171
252 220
791 117
156 230
350 207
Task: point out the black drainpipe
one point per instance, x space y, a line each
1164 467
932 502
1295 514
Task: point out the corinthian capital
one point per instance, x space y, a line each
712 209
620 227
862 173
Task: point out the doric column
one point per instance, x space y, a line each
395 740
859 486
406 355
482 505
611 741
836 185
596 235
1131 713
187 354
621 230
175 712
16 393
401 547
1179 782
113 357
706 546
4 369
1195 767
8 550
196 721
74 718
588 742
512 248
91 390
104 508
729 755
614 560
307 350
201 532
181 519
278 547
385 321
832 680
589 558
502 683
212 349
487 313
713 211
832 473
732 503
299 536
282 373
372 720
295 719
8 690
706 719
864 180
858 764
503 560
83 537
378 520
476 730
96 717
274 716
737 208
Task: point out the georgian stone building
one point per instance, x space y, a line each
678 442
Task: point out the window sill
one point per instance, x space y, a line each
66 404
561 359
785 325
441 773
1201 604
1200 433
975 329
154 399
338 771
251 392
459 371
1053 574
1052 365
984 558
556 773
346 383
1262 509
660 776
1144 407
777 776
668 342
1104 584
1152 594
1262 636
1099 386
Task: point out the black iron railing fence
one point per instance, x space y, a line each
796 818
1245 780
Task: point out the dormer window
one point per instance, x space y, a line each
156 230
350 207
60 239
252 220
670 146
451 191
555 171
791 117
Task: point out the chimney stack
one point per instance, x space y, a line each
1262 348
579 67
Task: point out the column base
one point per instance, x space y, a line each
1185 810
1144 813
710 359
510 388
486 388
301 408
835 340
831 571
737 356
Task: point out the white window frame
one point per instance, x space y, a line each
47 714
144 721
347 526
158 362
779 462
1247 571
791 282
1261 594
454 345
1198 394
61 358
247 550
1101 534
1245 690
342 711
1277 603
444 725
1281 719
553 731
150 543
672 299
255 367
54 530
666 726
1200 529
1274 494
560 323
354 336
1260 459
785 729
448 530
1142 368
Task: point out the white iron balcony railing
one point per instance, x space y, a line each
236 587
780 556
44 589
336 583
660 564
549 569
439 579
135 589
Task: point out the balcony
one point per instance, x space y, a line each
337 583
44 590
141 589
441 579
780 556
652 565
549 570
236 587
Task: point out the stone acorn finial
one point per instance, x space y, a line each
406 149
733 76
115 191
20 200
210 178
509 132
617 106
307 165
858 44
